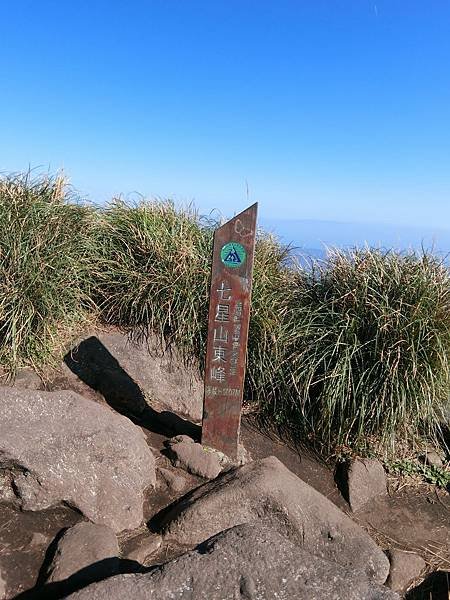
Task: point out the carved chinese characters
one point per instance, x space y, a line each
229 311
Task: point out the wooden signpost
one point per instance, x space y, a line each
229 312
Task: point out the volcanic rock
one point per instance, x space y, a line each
247 563
57 448
265 491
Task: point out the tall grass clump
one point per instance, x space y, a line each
154 272
46 258
370 347
270 327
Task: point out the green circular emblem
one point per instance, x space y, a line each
233 255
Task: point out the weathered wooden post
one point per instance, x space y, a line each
229 313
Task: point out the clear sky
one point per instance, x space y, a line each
334 110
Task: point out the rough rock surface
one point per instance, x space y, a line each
405 568
432 459
59 448
6 490
366 480
39 539
143 547
83 545
130 372
27 379
266 491
3 595
246 563
176 483
194 458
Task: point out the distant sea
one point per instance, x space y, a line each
311 238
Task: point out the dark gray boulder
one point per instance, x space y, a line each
81 546
193 457
174 482
142 547
266 491
406 567
59 448
243 563
432 459
366 480
27 379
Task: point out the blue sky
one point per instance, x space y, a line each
329 110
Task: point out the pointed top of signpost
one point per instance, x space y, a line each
243 224
249 212
253 206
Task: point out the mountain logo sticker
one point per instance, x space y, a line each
233 255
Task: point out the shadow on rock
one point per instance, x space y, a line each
97 367
341 479
435 587
92 362
98 571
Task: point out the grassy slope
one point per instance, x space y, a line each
353 351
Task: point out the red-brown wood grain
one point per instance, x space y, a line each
229 313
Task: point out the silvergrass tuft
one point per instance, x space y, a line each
46 255
369 355
153 272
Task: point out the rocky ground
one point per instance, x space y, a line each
105 492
